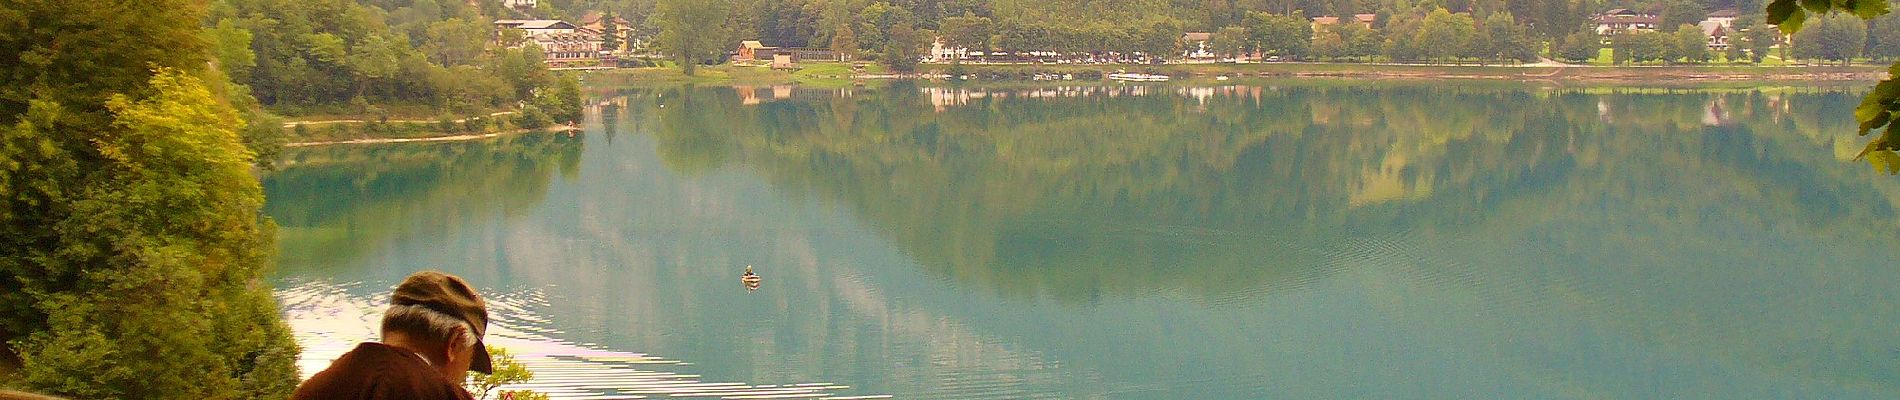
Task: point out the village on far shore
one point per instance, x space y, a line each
580 45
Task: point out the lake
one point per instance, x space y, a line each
1284 239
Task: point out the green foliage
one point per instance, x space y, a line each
691 31
1639 47
1287 36
967 31
903 48
1450 35
507 372
1835 37
1229 41
610 28
138 276
1580 47
845 42
1504 39
1677 13
1883 38
1760 39
1791 15
317 54
1688 45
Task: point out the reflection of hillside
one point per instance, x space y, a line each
333 202
1079 196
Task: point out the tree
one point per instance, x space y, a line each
1160 40
1229 42
1449 35
903 48
1284 35
1580 47
1677 13
609 31
1361 42
1883 38
1760 39
844 42
1689 45
966 32
507 372
1638 47
690 31
1877 108
1836 37
1328 44
135 245
231 49
1506 40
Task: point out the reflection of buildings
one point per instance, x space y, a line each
750 95
943 98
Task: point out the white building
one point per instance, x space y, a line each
518 3
531 27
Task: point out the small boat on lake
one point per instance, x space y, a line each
751 280
1137 77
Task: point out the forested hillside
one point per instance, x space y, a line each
357 56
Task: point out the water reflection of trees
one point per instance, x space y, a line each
332 203
1215 190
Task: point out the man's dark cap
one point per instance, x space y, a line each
449 295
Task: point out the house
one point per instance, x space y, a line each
752 50
1718 37
569 48
782 59
593 21
1624 20
1195 45
941 53
1717 26
1364 20
518 4
531 27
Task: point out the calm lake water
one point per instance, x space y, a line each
1286 240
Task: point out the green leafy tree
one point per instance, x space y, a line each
1638 47
1883 38
231 49
903 48
1287 36
691 31
1229 42
145 283
1677 13
1362 42
1450 35
507 372
1506 40
844 42
1328 44
1580 47
1760 39
1836 37
1877 108
610 31
1160 40
1688 45
968 31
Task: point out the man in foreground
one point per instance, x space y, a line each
432 336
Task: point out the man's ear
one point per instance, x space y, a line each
458 340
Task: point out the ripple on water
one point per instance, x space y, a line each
329 318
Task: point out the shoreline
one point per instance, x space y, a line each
448 138
1637 75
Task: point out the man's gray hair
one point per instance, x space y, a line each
427 323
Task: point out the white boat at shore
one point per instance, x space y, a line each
1135 77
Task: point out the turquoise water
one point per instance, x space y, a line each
1282 240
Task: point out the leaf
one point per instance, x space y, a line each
1875 122
1817 6
1868 9
1885 161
